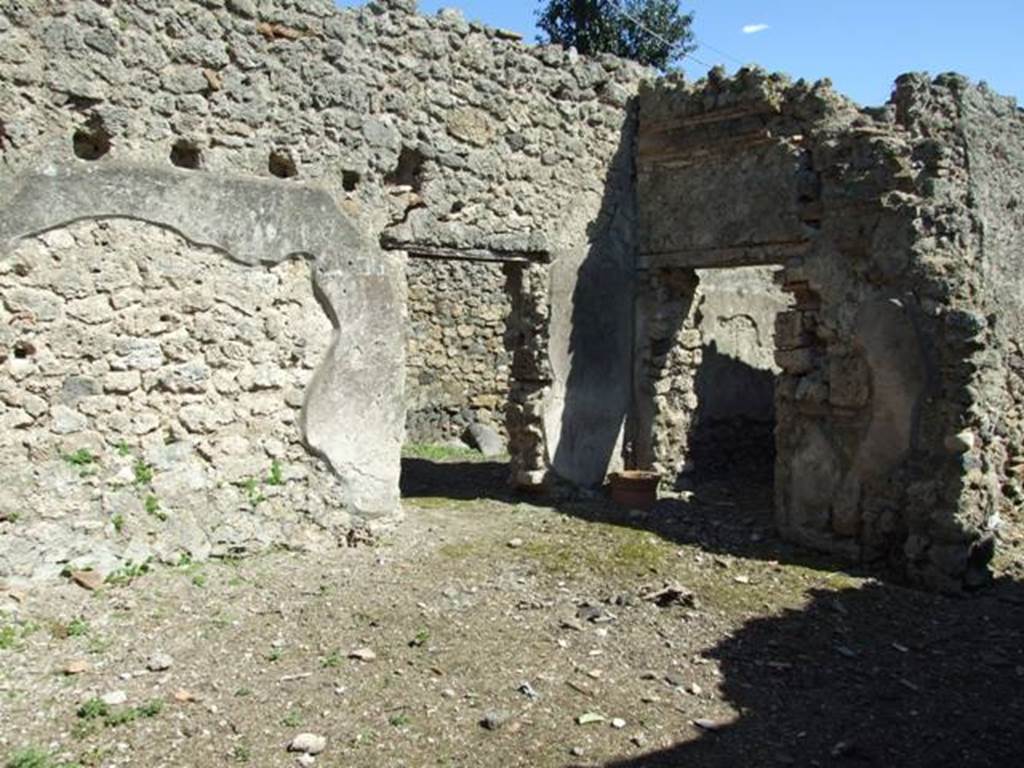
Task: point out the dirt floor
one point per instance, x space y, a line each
502 631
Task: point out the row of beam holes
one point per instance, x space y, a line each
93 142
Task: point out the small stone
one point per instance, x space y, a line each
449 693
90 580
494 720
695 689
183 696
114 698
159 662
742 579
963 442
618 723
363 654
515 543
589 718
76 667
577 752
308 743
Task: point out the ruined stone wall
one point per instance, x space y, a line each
151 392
270 131
457 363
993 138
881 353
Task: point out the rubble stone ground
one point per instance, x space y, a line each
495 630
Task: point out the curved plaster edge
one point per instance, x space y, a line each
353 415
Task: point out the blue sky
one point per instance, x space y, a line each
862 45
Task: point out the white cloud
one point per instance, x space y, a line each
753 29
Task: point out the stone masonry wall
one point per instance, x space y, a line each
418 132
889 361
456 360
150 393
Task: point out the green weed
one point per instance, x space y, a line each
143 472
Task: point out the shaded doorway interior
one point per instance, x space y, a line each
458 373
732 431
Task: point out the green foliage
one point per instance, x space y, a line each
118 522
8 637
276 476
653 32
143 472
78 627
292 720
400 720
251 486
123 449
152 506
431 452
332 661
30 757
82 460
93 709
129 573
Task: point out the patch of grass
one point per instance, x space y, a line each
143 472
276 476
604 550
118 522
292 720
440 453
78 627
8 637
199 580
30 757
95 710
274 654
127 574
252 490
332 661
241 753
83 460
152 506
399 720
123 449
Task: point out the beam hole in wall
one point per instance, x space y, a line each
350 180
186 154
458 376
282 165
408 171
24 350
92 141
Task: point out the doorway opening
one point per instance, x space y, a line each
706 386
458 377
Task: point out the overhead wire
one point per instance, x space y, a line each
640 25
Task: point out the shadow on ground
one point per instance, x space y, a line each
462 480
878 676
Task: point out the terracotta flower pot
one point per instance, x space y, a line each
636 489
